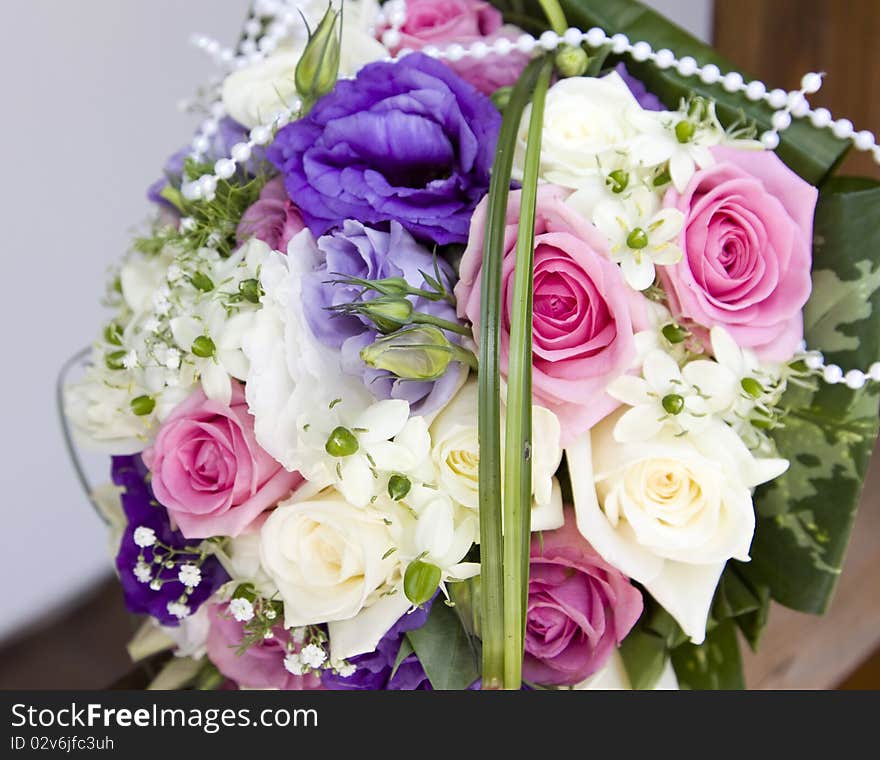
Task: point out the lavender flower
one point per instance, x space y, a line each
647 100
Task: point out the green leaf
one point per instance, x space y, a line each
406 649
806 516
715 664
811 152
444 650
644 656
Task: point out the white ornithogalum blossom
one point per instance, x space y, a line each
641 234
682 140
455 451
242 609
671 511
666 395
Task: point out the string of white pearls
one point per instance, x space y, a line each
834 375
392 15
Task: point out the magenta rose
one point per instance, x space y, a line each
274 218
208 470
584 313
580 608
747 243
443 22
260 666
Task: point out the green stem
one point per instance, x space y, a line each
444 324
518 443
555 15
464 356
489 382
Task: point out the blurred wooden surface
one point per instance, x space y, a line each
779 41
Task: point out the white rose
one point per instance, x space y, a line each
328 558
669 512
455 450
252 95
588 129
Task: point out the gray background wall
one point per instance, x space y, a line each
89 93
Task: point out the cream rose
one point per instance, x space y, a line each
328 558
455 450
255 93
669 512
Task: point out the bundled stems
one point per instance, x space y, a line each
555 15
518 441
489 427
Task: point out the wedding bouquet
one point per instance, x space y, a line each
458 356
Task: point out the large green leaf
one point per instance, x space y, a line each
444 650
811 152
805 517
716 664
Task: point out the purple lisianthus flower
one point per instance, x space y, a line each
410 142
647 100
374 669
229 132
146 517
370 254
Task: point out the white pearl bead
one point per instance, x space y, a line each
398 19
217 110
503 46
832 374
756 90
641 51
267 45
241 153
874 372
770 140
863 140
201 144
261 135
479 50
665 58
391 38
191 191
573 37
596 37
855 379
777 98
432 51
549 40
781 120
843 128
710 73
687 66
404 52
798 104
209 128
821 118
525 44
814 360
802 347
619 43
253 28
224 168
877 154
732 81
455 52
248 47
811 82
227 56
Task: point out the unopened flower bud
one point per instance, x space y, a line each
501 97
143 405
417 353
572 61
341 443
388 314
250 290
674 333
421 581
204 347
318 69
201 281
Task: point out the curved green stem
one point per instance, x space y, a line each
518 443
555 15
489 383
444 324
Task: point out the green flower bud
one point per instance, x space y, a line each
143 405
202 282
637 239
115 360
250 290
674 333
663 178
204 347
113 334
571 61
684 131
318 69
618 181
388 314
673 403
421 581
501 97
341 443
417 353
398 487
752 387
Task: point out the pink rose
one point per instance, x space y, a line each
747 251
580 608
273 218
443 22
208 470
261 666
584 313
